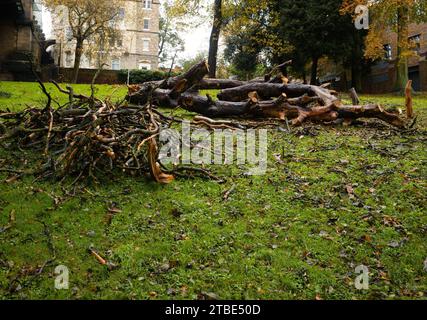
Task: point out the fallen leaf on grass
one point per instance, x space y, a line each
207 296
394 244
366 238
12 179
350 191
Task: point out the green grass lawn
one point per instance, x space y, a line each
294 233
18 95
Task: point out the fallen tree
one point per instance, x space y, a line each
88 136
270 97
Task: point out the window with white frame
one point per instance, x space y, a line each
115 64
147 4
144 65
145 45
146 24
388 55
415 42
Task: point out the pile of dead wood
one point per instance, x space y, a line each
89 137
86 138
268 97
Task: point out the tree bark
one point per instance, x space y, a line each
214 39
77 60
314 66
356 61
402 45
268 90
209 84
354 97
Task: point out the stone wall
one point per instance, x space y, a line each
86 76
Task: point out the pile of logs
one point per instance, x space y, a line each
268 97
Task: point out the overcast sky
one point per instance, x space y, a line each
196 39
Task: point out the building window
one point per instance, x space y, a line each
415 41
146 45
388 52
115 64
121 15
144 65
146 24
115 41
147 4
68 59
69 33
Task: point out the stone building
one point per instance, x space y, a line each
383 74
136 49
21 36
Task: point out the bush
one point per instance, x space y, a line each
140 76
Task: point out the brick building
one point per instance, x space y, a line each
20 36
383 74
137 48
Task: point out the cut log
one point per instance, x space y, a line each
192 77
208 107
140 93
354 97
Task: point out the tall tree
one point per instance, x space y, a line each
390 15
243 54
170 42
214 39
219 13
315 29
87 20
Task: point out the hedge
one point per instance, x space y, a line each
140 76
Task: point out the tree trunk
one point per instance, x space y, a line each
213 44
356 62
304 76
77 60
356 77
314 66
402 46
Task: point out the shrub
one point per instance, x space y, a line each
140 76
